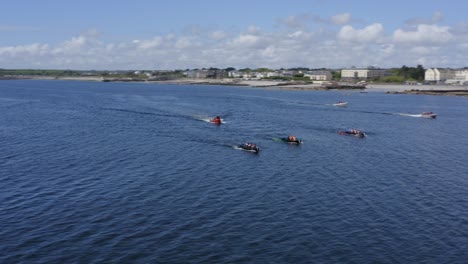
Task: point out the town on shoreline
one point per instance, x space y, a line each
397 81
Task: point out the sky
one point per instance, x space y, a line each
187 34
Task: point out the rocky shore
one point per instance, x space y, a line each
433 92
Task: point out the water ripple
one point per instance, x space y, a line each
120 172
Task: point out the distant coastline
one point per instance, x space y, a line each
443 90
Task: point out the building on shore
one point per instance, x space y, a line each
252 75
438 75
197 74
461 77
203 74
448 76
363 73
321 75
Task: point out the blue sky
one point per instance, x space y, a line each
195 34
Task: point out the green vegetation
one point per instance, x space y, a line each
412 73
134 75
403 74
298 75
30 72
336 75
263 70
391 79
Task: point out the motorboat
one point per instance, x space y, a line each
340 103
217 120
428 115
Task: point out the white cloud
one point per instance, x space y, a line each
269 52
303 21
246 40
296 34
387 49
436 18
426 34
371 33
296 22
78 45
424 50
149 44
341 19
253 30
75 43
35 49
218 35
170 36
183 43
322 45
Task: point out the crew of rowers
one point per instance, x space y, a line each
291 138
354 131
249 145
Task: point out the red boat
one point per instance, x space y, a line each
217 120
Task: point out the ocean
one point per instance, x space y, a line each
96 172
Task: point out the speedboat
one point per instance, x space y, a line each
296 141
353 132
428 115
217 120
250 147
340 103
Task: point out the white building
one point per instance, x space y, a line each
461 76
438 75
234 74
361 73
272 74
319 75
453 76
243 75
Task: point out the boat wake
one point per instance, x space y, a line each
140 112
401 114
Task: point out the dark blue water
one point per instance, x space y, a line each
124 172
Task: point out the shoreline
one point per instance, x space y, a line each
441 90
